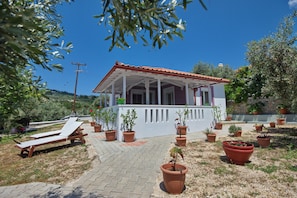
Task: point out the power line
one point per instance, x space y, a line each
76 81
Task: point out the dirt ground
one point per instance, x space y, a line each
271 172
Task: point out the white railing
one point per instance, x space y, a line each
159 120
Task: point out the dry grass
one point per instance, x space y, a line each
54 163
272 171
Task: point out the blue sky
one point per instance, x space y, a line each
218 35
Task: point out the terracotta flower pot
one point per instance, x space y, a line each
255 112
129 136
211 137
238 152
174 181
238 133
110 135
280 121
182 130
218 126
283 111
258 128
263 141
92 123
97 127
228 118
272 124
181 141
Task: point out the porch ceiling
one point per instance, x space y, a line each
138 76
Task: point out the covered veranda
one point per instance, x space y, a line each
157 94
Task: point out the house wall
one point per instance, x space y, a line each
155 120
219 99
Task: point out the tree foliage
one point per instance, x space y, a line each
244 85
155 19
28 29
210 70
27 33
14 95
274 58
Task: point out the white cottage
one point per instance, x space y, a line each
158 93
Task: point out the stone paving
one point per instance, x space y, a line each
120 170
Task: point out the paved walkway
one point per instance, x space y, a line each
120 170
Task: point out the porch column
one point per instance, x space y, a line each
159 91
147 92
124 88
195 99
187 93
105 98
112 95
210 95
100 99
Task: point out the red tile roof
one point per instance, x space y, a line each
171 72
160 71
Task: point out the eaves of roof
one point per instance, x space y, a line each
162 71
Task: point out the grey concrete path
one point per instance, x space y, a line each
120 170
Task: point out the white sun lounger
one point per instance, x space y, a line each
56 132
71 132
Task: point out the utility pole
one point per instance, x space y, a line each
76 80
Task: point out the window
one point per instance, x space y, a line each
205 98
139 97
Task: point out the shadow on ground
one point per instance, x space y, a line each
77 192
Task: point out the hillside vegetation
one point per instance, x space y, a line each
65 101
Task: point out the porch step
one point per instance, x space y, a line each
233 122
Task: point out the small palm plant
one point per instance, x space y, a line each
182 116
174 152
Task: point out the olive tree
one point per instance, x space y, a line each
141 18
274 58
27 33
210 70
29 29
244 85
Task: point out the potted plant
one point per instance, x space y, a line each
238 152
211 136
263 140
109 118
217 113
174 174
98 114
272 124
121 101
93 115
280 120
258 127
128 123
235 130
229 111
255 108
181 140
181 121
282 109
